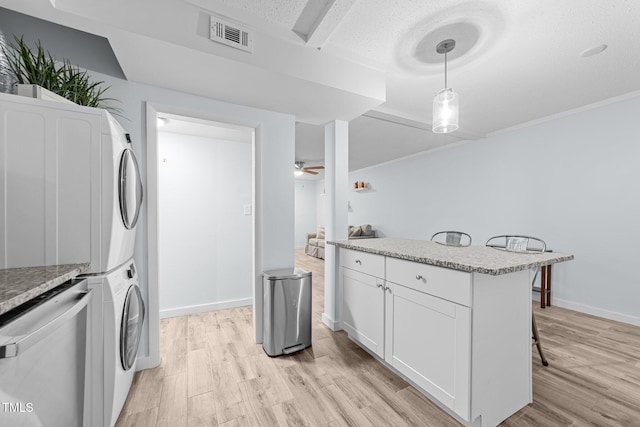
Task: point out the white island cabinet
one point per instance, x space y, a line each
460 331
429 329
362 277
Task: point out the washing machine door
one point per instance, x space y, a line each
131 327
129 189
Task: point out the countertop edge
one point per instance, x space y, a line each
449 264
48 284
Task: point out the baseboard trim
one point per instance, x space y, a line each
594 311
332 324
201 308
599 312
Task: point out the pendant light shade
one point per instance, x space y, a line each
445 103
445 111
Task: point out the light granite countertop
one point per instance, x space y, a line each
19 285
474 258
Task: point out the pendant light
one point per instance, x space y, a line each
445 103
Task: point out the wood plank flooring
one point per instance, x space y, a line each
213 374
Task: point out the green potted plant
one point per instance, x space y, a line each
62 78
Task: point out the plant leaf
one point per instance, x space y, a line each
63 78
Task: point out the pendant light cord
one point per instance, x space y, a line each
445 69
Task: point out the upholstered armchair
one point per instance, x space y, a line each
316 241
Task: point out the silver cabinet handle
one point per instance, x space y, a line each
358 262
12 349
419 277
380 285
388 289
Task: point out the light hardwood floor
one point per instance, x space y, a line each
212 373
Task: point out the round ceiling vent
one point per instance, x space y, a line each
474 26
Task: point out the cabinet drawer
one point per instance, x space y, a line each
362 261
441 282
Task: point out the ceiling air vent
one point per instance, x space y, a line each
225 32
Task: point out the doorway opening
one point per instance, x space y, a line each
202 222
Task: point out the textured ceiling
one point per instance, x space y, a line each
281 12
401 35
516 62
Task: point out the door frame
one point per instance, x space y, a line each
153 110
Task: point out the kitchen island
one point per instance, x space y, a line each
454 321
20 285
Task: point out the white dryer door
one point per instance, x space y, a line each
129 189
131 326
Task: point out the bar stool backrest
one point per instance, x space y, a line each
517 243
452 238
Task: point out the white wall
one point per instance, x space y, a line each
573 181
204 237
305 208
320 203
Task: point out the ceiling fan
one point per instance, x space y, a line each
300 169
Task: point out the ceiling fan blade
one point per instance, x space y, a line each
311 172
314 167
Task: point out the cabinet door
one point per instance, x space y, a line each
363 309
430 344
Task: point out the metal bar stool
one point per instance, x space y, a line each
525 244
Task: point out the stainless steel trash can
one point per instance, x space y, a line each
286 311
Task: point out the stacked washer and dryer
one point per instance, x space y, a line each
72 194
113 277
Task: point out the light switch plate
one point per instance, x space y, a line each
247 209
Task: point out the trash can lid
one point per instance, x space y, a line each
286 273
